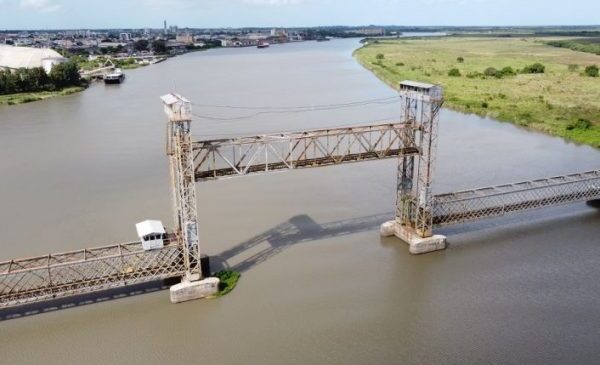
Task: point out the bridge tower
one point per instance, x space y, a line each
183 182
421 104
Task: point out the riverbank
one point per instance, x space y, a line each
22 98
561 101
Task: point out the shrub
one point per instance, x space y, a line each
536 68
454 72
490 71
592 71
380 56
507 71
228 280
579 124
573 68
460 60
399 64
484 105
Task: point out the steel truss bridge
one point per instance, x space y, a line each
59 275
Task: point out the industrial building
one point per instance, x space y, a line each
12 57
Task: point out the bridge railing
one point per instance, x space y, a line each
495 201
57 275
222 158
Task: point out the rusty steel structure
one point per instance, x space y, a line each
412 141
59 275
183 183
497 201
421 104
223 158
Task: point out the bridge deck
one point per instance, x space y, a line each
58 275
495 201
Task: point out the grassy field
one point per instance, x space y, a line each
561 101
21 98
590 45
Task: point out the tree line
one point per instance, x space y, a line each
36 79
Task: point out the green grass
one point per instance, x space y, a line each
228 282
21 98
590 45
552 102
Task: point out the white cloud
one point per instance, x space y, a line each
45 6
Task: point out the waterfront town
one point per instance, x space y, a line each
170 39
28 59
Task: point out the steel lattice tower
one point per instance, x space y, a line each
421 104
181 159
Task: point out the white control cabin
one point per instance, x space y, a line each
152 234
413 88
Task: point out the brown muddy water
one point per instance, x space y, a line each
81 170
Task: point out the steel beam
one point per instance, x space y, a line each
225 158
496 201
59 275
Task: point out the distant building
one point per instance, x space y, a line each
257 36
185 38
16 57
125 37
110 44
165 27
368 31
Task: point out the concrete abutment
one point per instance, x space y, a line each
417 245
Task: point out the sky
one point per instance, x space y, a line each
85 14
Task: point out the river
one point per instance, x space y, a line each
81 170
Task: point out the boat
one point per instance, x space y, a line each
115 77
263 45
323 39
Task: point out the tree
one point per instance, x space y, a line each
536 68
159 46
7 82
380 56
507 71
141 45
65 74
490 71
454 72
592 71
39 78
460 60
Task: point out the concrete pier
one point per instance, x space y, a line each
417 245
190 290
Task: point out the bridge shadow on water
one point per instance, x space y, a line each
84 299
298 229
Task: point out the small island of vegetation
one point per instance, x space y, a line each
523 80
228 282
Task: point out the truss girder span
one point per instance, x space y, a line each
496 201
59 275
223 158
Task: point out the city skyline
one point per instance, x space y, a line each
71 14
